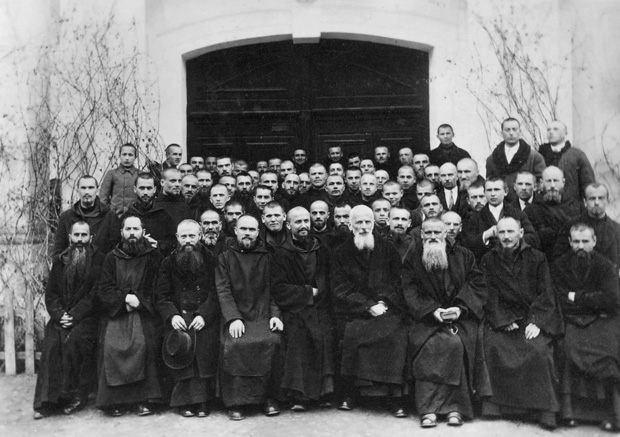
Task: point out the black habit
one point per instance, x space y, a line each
308 334
68 366
520 291
444 355
589 353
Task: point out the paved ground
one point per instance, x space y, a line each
16 420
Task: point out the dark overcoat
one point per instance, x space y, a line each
158 224
309 329
548 220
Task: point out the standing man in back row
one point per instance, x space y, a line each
513 155
117 186
447 151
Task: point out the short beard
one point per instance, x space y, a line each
248 244
398 236
553 197
364 242
189 260
210 238
507 252
132 248
77 265
434 256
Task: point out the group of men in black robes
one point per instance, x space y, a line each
343 288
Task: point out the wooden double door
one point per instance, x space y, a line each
264 100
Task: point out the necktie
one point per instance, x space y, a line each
449 198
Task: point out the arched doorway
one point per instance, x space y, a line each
264 100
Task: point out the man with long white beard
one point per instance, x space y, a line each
589 354
250 365
67 367
188 305
445 293
131 334
522 320
368 303
212 236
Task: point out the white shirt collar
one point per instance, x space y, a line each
558 147
496 210
511 151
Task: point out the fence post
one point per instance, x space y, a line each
9 333
29 331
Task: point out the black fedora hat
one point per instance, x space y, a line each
178 348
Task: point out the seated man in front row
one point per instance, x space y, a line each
369 307
446 294
589 365
188 305
250 361
68 365
523 319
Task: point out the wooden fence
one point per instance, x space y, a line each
10 355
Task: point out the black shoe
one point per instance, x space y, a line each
186 411
606 425
325 403
73 406
271 408
299 406
235 414
38 415
347 404
398 411
144 410
203 410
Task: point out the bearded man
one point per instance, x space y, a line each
249 366
340 231
400 222
369 306
158 223
67 367
589 354
522 321
131 336
187 303
302 290
550 212
445 293
212 236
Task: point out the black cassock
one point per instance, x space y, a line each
309 329
589 353
68 365
443 356
130 341
373 348
179 292
521 371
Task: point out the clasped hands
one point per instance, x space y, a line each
378 310
237 327
531 331
66 321
178 322
439 311
131 302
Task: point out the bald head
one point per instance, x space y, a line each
556 132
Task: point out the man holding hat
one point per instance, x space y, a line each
188 304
